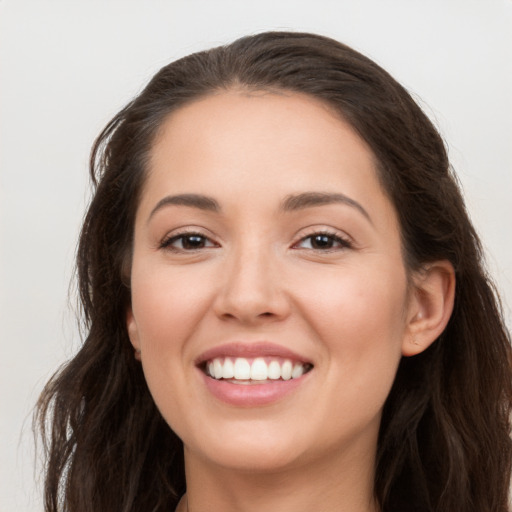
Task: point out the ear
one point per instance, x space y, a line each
133 333
430 306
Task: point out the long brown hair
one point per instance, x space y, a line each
444 443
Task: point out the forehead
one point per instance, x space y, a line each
274 143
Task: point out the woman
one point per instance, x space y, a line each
284 301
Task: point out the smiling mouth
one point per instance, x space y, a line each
259 370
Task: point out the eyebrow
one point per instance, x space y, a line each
291 203
191 200
312 199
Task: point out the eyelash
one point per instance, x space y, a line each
327 236
167 242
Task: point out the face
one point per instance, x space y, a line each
269 294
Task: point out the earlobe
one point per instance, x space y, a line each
133 334
430 307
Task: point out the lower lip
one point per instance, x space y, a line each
251 395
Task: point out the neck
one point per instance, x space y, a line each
340 486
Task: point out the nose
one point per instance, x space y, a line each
252 290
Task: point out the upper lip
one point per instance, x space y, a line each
250 350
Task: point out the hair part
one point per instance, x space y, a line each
444 441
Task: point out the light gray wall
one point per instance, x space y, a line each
67 66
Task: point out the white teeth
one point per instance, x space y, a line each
228 370
242 369
297 371
217 368
259 370
274 370
286 370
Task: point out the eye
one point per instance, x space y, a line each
323 241
187 242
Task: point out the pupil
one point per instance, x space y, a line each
193 242
322 241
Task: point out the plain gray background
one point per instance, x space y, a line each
67 66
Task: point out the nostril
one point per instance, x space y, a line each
251 306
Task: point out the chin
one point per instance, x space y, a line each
255 459
251 450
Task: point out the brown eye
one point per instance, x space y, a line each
323 242
193 242
187 242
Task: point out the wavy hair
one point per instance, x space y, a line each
444 442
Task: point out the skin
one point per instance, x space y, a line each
352 309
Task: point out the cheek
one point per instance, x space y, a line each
360 321
358 315
369 303
166 307
167 304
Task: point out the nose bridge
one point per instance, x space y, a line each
251 287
